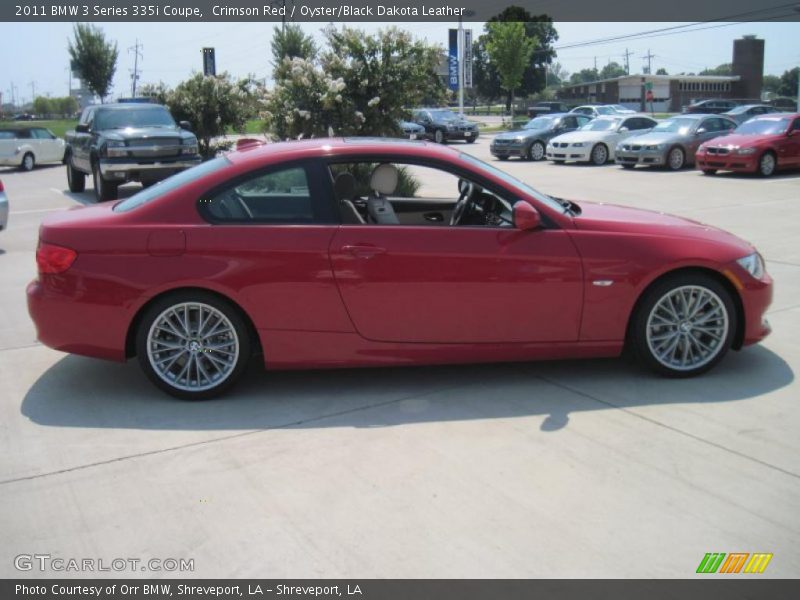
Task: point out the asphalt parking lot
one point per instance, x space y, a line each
565 469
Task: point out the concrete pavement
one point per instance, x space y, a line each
565 469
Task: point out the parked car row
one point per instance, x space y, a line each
26 147
763 143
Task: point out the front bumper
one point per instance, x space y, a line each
518 150
641 157
146 170
580 154
461 135
726 162
756 297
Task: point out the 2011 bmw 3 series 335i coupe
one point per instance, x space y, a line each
367 252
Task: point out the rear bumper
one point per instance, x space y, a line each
727 162
151 170
66 320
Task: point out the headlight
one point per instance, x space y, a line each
753 264
745 151
701 148
189 147
578 145
519 140
451 128
115 148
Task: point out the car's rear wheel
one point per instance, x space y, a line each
28 162
676 159
599 154
684 325
438 136
536 151
76 180
103 189
193 345
766 164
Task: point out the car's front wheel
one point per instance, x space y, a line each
103 189
599 154
193 345
28 162
766 164
676 159
683 325
536 151
438 136
76 180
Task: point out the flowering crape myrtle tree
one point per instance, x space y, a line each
360 85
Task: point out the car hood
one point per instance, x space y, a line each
138 133
625 219
740 140
655 137
583 136
525 133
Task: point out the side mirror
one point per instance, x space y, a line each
82 128
526 217
701 130
185 125
792 132
623 129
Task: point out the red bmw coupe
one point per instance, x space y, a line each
367 252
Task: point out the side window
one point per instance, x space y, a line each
42 134
23 134
279 196
728 125
711 124
86 116
637 123
569 122
583 120
796 126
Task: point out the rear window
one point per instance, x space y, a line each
171 183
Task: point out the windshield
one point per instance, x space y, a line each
154 116
540 123
764 126
604 110
601 125
682 126
514 182
171 183
444 115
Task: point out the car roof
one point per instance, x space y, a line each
776 115
127 106
331 147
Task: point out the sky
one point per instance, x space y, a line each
36 53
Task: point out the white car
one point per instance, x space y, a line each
595 142
3 208
594 110
26 147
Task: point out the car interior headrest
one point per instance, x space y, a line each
344 186
384 179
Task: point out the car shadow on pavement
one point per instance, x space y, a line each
82 392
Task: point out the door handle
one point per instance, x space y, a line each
363 250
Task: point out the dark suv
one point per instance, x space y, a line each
442 125
117 143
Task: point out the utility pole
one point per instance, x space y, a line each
595 64
135 74
649 57
627 56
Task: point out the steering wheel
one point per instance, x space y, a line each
466 190
244 206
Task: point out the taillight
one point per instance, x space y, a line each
54 259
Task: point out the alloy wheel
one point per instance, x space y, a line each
676 159
193 346
766 165
537 151
687 328
599 154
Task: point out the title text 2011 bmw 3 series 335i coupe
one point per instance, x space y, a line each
322 254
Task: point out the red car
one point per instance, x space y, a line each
761 145
363 252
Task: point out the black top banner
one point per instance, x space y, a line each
400 10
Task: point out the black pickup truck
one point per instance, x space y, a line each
117 143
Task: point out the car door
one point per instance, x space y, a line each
789 146
459 284
50 150
81 142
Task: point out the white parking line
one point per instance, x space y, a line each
57 191
37 210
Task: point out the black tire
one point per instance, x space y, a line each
767 164
242 338
502 157
640 343
558 162
103 189
439 137
676 165
599 155
471 140
76 180
709 171
28 162
535 154
626 166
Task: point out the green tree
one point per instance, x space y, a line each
556 75
43 106
789 82
66 106
361 84
159 92
93 58
771 84
510 51
584 76
290 42
213 105
662 71
612 70
723 69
